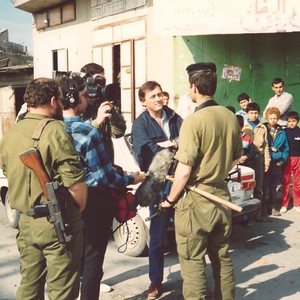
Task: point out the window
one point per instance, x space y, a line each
60 60
68 12
56 15
41 20
54 60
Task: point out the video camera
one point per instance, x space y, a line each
96 86
96 89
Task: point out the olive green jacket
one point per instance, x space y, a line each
209 141
58 154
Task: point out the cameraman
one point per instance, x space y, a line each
100 174
102 108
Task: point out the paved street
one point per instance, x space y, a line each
265 257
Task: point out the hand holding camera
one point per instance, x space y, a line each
103 112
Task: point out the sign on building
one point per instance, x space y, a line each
203 17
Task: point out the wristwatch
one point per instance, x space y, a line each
170 202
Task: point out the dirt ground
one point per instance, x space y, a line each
265 257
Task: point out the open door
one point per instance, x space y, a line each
133 75
125 64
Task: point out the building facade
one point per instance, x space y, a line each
251 42
114 34
16 71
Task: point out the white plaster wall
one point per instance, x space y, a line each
77 39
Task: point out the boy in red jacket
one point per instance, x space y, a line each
292 166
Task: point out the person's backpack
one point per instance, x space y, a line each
124 206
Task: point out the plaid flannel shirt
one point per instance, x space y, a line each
98 168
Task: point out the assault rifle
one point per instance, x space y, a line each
32 159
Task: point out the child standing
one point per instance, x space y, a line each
249 151
243 100
261 162
292 165
279 152
166 98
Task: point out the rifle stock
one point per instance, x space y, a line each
211 196
32 159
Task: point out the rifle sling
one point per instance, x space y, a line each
38 131
36 138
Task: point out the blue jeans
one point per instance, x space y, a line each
271 179
158 230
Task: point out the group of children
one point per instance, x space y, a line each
274 154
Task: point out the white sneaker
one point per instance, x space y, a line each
297 208
105 288
283 209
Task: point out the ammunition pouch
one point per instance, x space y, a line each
39 211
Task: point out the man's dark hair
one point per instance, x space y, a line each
292 115
241 120
92 69
40 91
147 86
205 82
243 96
252 106
231 108
277 80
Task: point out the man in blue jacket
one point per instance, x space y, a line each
155 129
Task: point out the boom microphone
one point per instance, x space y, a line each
149 190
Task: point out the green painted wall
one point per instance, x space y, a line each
262 57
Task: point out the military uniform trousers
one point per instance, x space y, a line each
42 259
203 227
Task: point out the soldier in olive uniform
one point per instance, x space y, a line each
42 257
209 147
